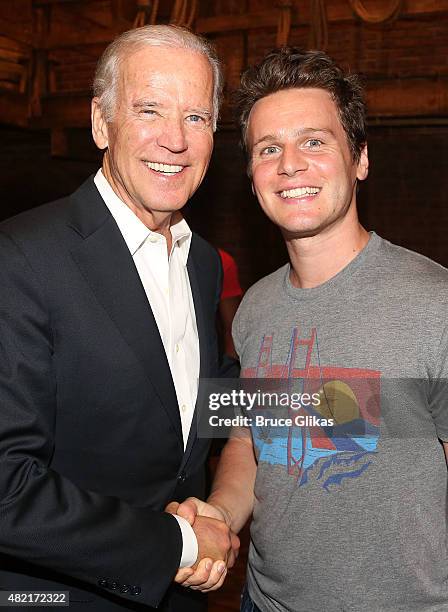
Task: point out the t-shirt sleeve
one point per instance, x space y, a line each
237 329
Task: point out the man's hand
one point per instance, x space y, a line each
192 507
214 541
210 571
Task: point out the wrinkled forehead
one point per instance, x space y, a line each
144 64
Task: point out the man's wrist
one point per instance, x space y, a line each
190 547
226 515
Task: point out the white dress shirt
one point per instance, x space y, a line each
166 283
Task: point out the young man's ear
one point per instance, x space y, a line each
363 164
99 125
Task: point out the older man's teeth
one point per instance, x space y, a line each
299 192
164 168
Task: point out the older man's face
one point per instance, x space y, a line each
160 139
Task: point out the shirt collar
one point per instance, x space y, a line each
135 231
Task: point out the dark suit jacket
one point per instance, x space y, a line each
90 436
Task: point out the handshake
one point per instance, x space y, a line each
217 545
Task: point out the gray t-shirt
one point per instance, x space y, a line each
353 517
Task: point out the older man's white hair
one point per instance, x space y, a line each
108 67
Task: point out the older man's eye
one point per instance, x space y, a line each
195 119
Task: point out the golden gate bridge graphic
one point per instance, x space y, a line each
348 395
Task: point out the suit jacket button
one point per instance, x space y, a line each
125 588
114 585
103 582
136 590
182 477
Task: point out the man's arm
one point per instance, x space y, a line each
445 448
232 497
233 487
46 518
231 500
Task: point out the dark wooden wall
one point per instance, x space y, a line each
46 144
404 199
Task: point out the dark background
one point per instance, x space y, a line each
404 198
48 51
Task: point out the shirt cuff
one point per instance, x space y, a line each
189 543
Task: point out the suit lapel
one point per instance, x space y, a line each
107 266
197 290
196 280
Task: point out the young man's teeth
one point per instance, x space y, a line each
299 192
164 168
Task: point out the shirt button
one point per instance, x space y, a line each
153 238
183 408
177 348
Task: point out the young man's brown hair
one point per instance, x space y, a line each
290 67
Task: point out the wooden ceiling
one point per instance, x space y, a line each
48 48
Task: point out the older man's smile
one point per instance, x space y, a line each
166 169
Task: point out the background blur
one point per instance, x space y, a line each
48 50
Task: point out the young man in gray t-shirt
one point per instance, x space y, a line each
348 504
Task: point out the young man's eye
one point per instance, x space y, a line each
269 150
314 143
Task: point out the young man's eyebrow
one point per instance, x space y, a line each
313 130
266 138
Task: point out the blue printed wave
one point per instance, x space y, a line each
354 442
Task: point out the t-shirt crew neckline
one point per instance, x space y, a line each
329 286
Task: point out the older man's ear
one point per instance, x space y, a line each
99 125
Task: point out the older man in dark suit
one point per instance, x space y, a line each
106 323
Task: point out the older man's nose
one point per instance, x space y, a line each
173 136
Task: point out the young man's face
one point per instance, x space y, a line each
303 172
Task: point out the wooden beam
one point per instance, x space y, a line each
11 70
49 2
336 12
415 97
245 21
65 111
73 38
16 31
14 46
